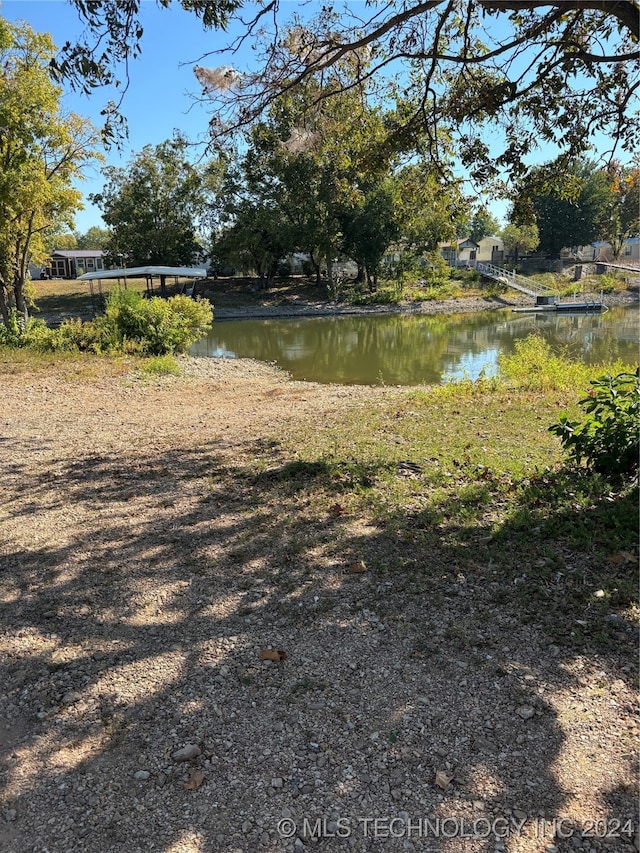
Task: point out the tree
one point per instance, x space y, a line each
622 219
257 239
42 151
94 238
558 72
520 238
432 207
370 226
483 224
332 187
55 239
153 207
571 212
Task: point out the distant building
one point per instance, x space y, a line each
70 263
601 250
467 252
630 250
491 250
459 252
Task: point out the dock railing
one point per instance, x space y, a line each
511 278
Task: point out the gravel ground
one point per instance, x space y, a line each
140 587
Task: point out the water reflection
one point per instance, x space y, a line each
412 350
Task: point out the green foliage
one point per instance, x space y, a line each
482 225
94 238
467 278
533 366
386 294
519 239
42 153
437 272
161 365
152 207
607 438
153 326
607 283
130 324
571 212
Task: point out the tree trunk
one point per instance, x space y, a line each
316 267
4 304
330 280
21 302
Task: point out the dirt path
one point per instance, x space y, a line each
142 575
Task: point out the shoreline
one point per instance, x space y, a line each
445 306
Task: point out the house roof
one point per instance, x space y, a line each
457 243
140 272
77 253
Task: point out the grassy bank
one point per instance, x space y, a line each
468 481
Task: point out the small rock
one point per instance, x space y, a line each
599 593
71 697
247 826
277 782
526 712
141 775
10 815
191 750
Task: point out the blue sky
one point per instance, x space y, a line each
158 99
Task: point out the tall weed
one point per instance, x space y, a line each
534 366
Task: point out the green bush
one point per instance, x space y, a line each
130 324
34 334
607 439
533 366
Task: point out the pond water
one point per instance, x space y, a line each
414 350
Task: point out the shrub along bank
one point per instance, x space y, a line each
131 324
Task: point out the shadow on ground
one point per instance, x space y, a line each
138 628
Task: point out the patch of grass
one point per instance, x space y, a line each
161 365
470 475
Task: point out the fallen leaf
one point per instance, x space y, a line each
276 655
621 557
337 509
357 568
195 780
443 779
